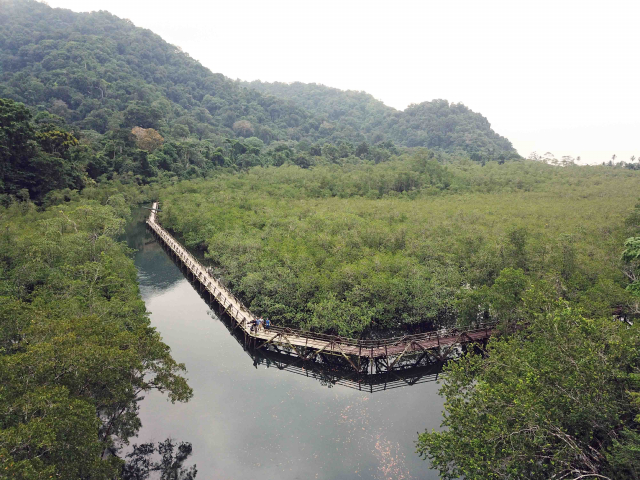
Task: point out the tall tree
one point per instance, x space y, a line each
557 400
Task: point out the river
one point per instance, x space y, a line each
250 420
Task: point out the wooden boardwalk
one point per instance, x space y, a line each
376 381
438 345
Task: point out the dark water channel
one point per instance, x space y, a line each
252 420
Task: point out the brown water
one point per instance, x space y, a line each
250 420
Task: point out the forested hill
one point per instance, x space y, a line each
101 73
357 110
437 124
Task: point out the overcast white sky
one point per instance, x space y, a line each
550 75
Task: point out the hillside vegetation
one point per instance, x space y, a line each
139 108
100 72
437 125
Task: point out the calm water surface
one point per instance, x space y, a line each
248 421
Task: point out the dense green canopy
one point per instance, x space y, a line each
437 125
35 159
557 400
410 243
100 72
76 347
141 108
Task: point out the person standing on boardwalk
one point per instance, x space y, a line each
267 324
258 324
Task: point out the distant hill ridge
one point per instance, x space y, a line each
437 124
100 72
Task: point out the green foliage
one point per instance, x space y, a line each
557 400
631 253
437 125
16 142
76 346
506 296
99 77
631 267
34 159
353 248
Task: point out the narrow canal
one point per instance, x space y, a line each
249 421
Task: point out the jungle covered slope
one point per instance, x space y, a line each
99 72
77 351
355 248
44 154
140 107
437 125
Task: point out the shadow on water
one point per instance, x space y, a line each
157 269
330 370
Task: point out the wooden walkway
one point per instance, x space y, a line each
438 345
376 381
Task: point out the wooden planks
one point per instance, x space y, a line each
299 340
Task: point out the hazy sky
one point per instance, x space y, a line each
559 76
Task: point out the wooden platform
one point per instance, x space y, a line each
438 344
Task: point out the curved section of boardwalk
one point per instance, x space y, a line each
307 345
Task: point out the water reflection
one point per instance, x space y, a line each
332 370
329 375
262 415
156 270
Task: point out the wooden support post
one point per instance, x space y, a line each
289 343
270 340
386 362
348 359
401 355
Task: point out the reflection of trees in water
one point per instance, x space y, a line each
135 231
333 370
155 267
337 371
326 380
143 463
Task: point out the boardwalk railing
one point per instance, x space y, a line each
309 345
